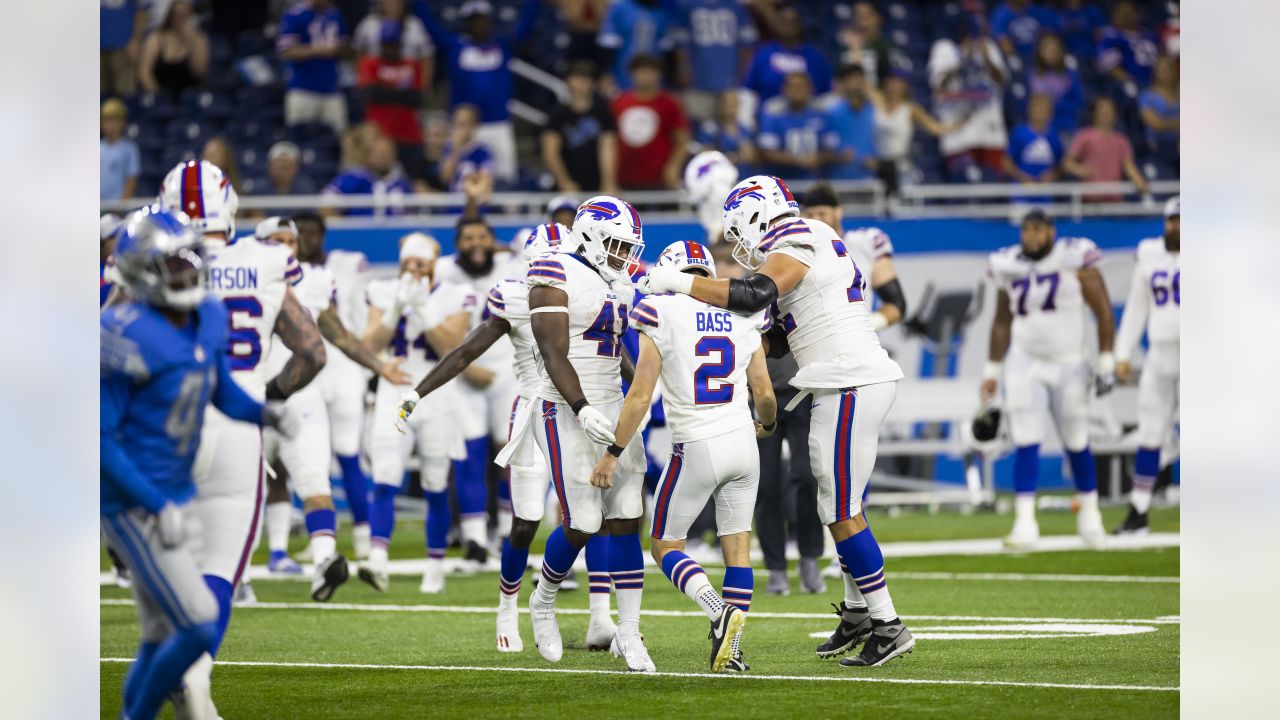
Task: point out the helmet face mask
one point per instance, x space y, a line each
609 232
160 260
748 210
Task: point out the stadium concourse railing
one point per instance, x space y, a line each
861 198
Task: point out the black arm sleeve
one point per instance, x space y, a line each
751 294
891 294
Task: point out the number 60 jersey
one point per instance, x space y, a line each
1044 297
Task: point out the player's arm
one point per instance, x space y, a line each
1132 323
377 332
1094 289
459 358
634 407
761 386
779 275
332 329
299 333
998 345
893 302
116 468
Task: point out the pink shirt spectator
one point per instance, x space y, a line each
1104 153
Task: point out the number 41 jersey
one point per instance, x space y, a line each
251 277
1044 296
705 352
597 320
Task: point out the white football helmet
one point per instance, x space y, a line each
707 179
748 210
198 189
611 235
544 239
686 255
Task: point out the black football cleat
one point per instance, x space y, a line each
888 640
723 629
1134 524
855 626
331 573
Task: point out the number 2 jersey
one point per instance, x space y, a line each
1045 298
410 339
825 316
705 352
251 278
1155 300
597 320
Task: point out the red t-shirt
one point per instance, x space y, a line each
1104 153
400 122
645 129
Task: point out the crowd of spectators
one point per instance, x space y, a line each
616 94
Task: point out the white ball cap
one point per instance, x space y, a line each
1173 206
419 245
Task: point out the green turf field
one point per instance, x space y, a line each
993 642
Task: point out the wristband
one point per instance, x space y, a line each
770 427
615 450
991 370
577 407
273 390
1106 364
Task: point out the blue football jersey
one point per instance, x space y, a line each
156 381
302 24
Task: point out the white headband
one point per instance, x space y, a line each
418 245
273 225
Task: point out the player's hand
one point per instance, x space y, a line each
1124 372
1105 377
987 389
279 416
596 426
602 473
169 526
762 433
408 402
663 279
391 372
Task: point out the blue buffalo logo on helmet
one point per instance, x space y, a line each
605 210
737 196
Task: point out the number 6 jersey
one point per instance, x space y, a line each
1044 297
705 352
597 320
1155 299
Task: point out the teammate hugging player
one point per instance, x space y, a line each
578 300
420 319
1155 304
703 355
163 360
507 315
823 318
1038 340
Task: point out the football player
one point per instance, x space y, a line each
1155 304
488 387
1038 347
824 321
163 360
707 179
307 456
704 356
253 280
507 314
418 319
578 301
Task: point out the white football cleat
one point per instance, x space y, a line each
1025 534
509 626
546 629
244 594
432 579
197 696
600 631
630 647
1089 526
374 575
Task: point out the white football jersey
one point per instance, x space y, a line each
866 246
1045 298
597 320
410 339
1155 299
500 356
251 277
825 315
705 352
509 300
315 292
348 268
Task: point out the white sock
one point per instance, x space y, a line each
598 603
852 595
880 604
507 602
323 546
1024 507
475 529
629 609
378 556
700 590
1088 501
435 566
1140 498
279 517
504 522
548 585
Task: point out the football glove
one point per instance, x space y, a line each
595 425
279 416
1105 376
408 402
664 279
169 527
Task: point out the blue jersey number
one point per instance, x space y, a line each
1162 291
718 371
245 346
606 331
1023 286
400 343
855 290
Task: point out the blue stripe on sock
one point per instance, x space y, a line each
739 583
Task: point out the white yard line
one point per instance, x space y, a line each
705 676
489 610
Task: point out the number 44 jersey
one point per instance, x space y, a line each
705 352
1044 297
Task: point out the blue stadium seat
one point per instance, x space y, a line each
157 106
191 131
201 103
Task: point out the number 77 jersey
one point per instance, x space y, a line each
705 352
1045 298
